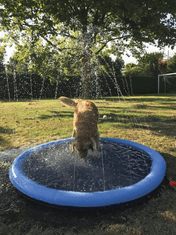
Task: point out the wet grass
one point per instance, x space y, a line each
149 120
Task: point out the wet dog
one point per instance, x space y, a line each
84 125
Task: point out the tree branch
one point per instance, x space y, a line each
110 40
103 46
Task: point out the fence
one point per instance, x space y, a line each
32 86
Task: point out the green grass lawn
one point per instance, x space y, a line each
149 120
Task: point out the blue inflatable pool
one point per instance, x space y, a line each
125 171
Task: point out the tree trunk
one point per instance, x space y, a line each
86 75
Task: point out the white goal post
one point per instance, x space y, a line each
163 75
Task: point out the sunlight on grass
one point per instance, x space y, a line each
149 120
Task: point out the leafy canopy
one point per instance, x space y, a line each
105 20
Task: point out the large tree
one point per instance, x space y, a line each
124 23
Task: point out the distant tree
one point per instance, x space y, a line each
162 65
171 66
108 67
41 58
11 65
129 69
2 57
132 69
129 66
150 64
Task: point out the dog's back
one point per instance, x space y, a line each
86 112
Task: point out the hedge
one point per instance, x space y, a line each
32 86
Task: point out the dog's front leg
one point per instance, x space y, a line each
96 141
73 135
73 146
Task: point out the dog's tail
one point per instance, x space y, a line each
68 102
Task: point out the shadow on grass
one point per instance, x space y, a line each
135 118
171 163
154 107
56 114
4 131
140 98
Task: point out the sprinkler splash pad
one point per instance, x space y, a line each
125 171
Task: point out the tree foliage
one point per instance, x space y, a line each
132 69
162 65
40 58
150 64
2 57
171 66
108 67
136 19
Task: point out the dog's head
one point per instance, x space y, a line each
82 145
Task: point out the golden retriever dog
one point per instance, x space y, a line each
84 125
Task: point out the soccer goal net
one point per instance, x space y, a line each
167 83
